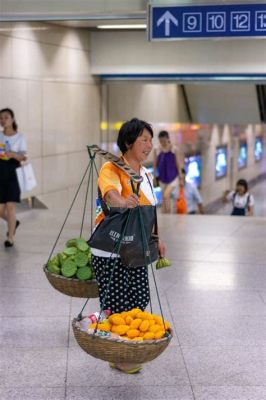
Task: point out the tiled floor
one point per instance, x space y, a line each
214 295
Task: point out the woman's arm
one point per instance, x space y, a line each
162 249
114 199
17 156
178 162
225 196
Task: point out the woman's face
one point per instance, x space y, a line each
164 141
142 147
6 120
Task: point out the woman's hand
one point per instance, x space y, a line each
132 201
226 193
162 250
114 199
17 156
10 154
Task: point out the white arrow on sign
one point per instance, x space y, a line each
167 17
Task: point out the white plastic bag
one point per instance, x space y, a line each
26 178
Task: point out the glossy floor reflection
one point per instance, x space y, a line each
214 296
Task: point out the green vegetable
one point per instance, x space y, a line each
84 273
82 245
61 258
163 262
71 243
53 268
81 259
55 260
69 251
69 268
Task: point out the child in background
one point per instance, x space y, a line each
243 201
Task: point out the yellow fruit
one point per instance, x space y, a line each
117 320
167 325
124 314
155 328
144 315
129 319
144 326
158 319
132 333
120 329
93 326
149 336
134 312
138 339
152 322
104 327
159 335
135 323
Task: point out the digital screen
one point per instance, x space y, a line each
221 162
258 150
193 169
242 155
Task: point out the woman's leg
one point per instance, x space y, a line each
166 205
3 212
11 219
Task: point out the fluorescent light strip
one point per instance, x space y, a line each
128 26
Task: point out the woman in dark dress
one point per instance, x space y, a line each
12 152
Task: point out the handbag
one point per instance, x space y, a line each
26 177
130 232
181 203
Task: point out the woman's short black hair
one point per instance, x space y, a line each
242 182
163 134
130 131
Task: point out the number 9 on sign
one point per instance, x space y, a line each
192 22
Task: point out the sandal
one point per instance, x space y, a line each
134 370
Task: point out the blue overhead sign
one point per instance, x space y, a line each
210 21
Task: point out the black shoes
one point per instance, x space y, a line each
7 243
17 225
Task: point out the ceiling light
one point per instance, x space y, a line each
128 26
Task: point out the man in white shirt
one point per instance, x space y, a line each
192 195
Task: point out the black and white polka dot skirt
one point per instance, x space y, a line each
129 287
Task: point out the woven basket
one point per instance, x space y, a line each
72 287
118 350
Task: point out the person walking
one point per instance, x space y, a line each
188 198
243 202
129 287
13 151
166 168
